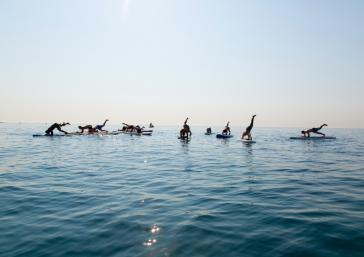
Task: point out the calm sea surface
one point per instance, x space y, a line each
158 196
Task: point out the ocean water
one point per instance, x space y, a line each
158 196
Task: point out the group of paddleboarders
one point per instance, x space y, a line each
247 133
90 129
93 129
227 131
185 132
131 128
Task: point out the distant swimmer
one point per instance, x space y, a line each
226 130
306 133
57 126
99 127
151 125
247 132
186 130
89 129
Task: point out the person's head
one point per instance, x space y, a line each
80 127
303 132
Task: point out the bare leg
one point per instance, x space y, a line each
251 124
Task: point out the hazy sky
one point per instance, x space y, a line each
293 63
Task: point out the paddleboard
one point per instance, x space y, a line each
138 134
54 135
78 134
312 138
208 134
223 136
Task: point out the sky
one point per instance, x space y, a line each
293 63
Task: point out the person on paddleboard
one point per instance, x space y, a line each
128 128
247 132
99 127
226 130
139 129
186 130
208 131
306 133
89 129
57 126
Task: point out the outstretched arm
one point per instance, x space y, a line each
59 129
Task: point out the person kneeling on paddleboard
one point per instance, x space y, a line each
226 130
99 127
208 131
186 130
247 132
306 133
57 126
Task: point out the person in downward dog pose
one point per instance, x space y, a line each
57 126
226 130
306 133
247 132
185 131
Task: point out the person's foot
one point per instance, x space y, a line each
254 115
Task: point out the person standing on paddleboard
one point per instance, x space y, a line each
306 133
57 126
247 132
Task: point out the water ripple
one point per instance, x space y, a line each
157 196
